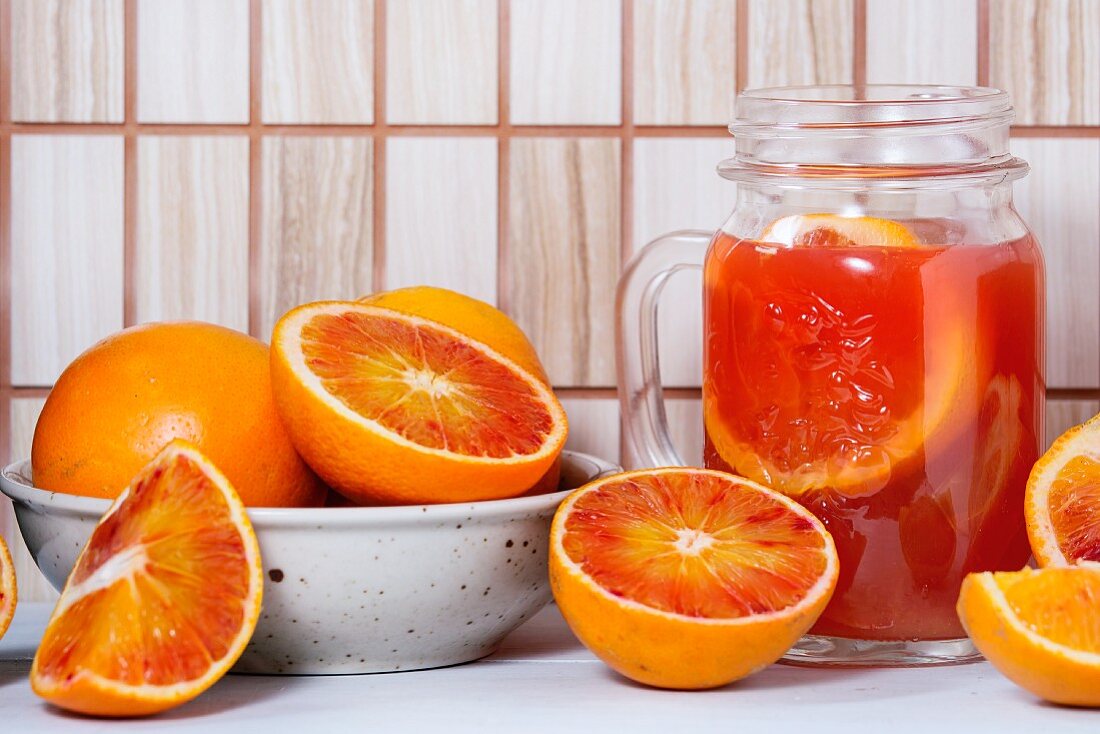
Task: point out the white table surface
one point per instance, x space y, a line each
543 680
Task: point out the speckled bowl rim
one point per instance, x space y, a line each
15 483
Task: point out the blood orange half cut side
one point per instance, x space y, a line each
688 578
163 598
392 408
1062 504
8 592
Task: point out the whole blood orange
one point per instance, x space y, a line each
116 406
163 598
688 578
472 317
8 593
392 408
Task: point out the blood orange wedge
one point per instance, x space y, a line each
1040 628
163 598
688 578
388 407
831 230
9 595
1062 504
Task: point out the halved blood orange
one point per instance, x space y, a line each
1040 628
688 578
163 598
1062 504
9 594
832 230
392 408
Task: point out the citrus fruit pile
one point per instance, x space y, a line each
1041 627
420 395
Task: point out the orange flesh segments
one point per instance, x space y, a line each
8 591
425 385
163 589
693 543
1058 603
1074 505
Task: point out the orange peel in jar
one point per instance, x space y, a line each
833 230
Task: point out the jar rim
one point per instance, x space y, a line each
875 132
851 105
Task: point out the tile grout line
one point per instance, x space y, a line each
983 43
255 166
626 164
413 131
380 130
859 43
504 154
129 164
6 273
741 50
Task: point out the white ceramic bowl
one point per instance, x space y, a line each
360 589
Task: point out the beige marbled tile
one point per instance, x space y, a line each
1046 53
441 62
685 58
566 62
191 258
1060 199
316 241
676 187
66 249
439 231
800 42
318 61
922 42
66 60
32 586
192 61
593 426
563 262
1065 414
24 415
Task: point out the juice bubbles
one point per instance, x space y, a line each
894 389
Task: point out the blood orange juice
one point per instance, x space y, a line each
893 389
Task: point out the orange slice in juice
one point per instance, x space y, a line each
8 592
831 230
1062 504
817 388
1040 628
688 578
163 598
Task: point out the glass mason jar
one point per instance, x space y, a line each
873 347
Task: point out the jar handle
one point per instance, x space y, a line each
640 391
